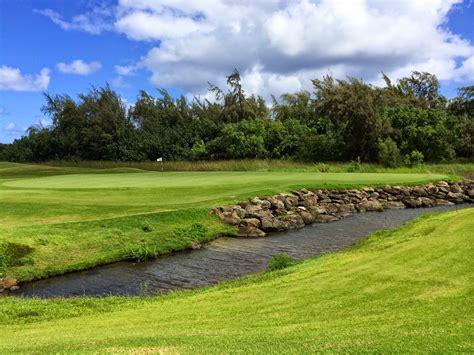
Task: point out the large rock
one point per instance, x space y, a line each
412 202
366 205
230 217
250 232
441 202
456 188
273 225
307 217
393 205
325 218
294 221
251 222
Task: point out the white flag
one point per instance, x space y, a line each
159 159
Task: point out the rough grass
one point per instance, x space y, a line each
408 290
75 218
465 169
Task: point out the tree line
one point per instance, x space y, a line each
404 122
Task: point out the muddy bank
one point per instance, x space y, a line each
222 259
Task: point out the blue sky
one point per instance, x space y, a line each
65 46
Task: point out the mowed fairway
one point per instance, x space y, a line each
407 290
75 218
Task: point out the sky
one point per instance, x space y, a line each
65 46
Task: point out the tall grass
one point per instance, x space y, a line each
465 169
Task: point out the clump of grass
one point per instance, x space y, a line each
141 253
196 231
280 261
147 229
14 254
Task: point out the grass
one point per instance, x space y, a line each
406 290
462 168
79 217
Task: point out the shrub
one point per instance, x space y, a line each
322 168
388 153
280 261
141 253
355 165
14 254
415 158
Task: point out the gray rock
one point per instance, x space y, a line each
250 232
251 222
393 205
325 218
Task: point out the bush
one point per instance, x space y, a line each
141 253
388 153
322 168
355 165
280 261
415 158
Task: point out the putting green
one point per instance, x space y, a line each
206 179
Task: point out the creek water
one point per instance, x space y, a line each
223 259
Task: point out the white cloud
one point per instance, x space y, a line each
280 45
79 67
10 127
94 22
125 70
3 111
13 79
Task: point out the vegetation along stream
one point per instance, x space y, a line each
222 259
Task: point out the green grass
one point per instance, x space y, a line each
75 218
406 290
462 168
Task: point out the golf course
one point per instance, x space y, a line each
403 290
61 219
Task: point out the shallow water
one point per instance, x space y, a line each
222 259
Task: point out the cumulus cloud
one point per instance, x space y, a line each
79 67
280 45
13 79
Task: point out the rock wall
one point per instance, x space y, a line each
259 216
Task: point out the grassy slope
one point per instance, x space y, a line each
406 290
76 218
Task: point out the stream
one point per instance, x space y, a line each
222 259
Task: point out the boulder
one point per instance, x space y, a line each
427 202
230 218
470 193
456 188
366 205
307 217
346 208
273 225
456 197
325 218
294 221
393 205
419 191
251 222
442 202
250 232
412 202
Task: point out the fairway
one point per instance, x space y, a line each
406 290
76 218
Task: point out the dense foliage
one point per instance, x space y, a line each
407 121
